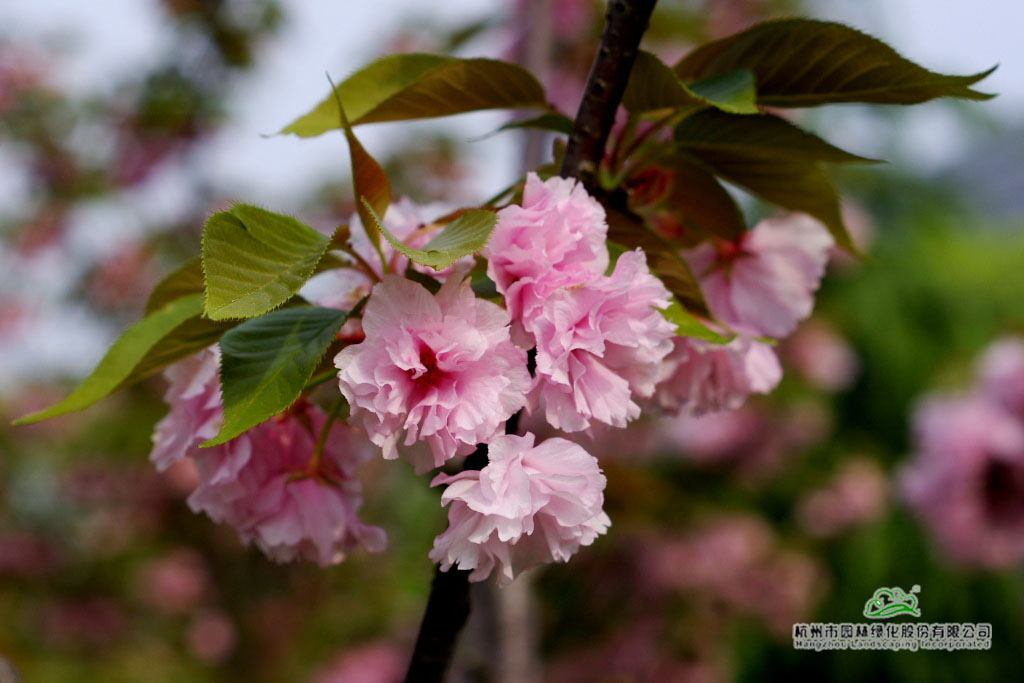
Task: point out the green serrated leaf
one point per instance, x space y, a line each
254 260
760 135
418 86
124 357
653 85
804 63
186 280
466 235
688 325
266 362
331 261
188 338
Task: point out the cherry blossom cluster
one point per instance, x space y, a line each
966 480
267 483
579 339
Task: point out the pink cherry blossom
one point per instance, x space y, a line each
821 355
262 482
737 562
174 583
196 414
212 636
704 377
266 484
717 437
372 662
857 495
600 345
966 482
555 239
435 368
530 505
1001 373
763 284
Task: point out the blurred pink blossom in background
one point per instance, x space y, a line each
966 480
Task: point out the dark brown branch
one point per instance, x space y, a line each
446 613
448 605
625 24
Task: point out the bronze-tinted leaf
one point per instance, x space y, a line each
760 134
663 259
700 202
419 86
804 62
653 85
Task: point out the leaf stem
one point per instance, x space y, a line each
317 380
321 442
364 265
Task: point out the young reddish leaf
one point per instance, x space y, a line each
804 63
369 181
419 86
652 85
701 203
799 185
663 260
771 158
733 91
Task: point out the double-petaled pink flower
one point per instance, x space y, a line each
600 346
600 339
196 413
530 505
555 239
440 369
266 482
763 284
267 485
